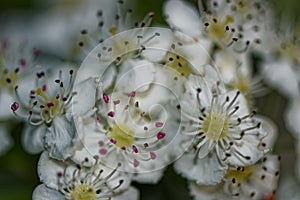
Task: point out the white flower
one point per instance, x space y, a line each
122 54
47 110
255 181
258 181
282 75
110 24
57 28
237 73
233 24
17 62
281 66
121 131
221 129
76 182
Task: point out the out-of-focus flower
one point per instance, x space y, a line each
223 131
68 181
234 24
120 20
281 66
46 108
57 27
237 73
257 181
17 62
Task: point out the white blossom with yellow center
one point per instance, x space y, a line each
63 180
46 109
223 131
255 182
234 24
120 130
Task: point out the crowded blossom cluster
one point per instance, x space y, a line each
129 98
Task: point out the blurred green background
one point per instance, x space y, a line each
18 176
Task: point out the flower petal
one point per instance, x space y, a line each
6 100
149 177
5 139
42 192
246 154
207 192
48 169
178 13
59 138
132 193
33 138
135 76
206 171
84 100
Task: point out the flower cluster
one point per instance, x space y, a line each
146 98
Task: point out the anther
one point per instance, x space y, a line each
14 106
83 32
81 44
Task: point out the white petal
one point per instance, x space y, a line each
135 76
249 150
6 141
149 177
48 169
205 96
6 99
84 100
206 147
241 102
59 138
270 129
42 192
282 76
229 64
90 141
207 192
183 16
130 194
206 171
33 138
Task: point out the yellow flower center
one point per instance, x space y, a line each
8 79
243 6
290 51
215 126
179 64
122 135
216 29
83 192
240 174
54 107
242 84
